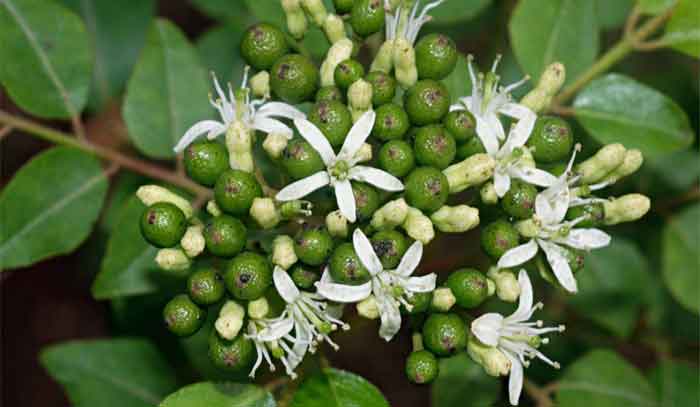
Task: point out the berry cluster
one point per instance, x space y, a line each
373 159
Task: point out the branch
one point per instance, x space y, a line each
541 395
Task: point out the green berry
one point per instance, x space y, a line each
333 119
470 147
519 201
420 302
303 277
461 124
427 102
367 17
436 56
163 224
383 87
593 215
206 286
391 122
262 45
397 158
499 237
343 6
330 94
575 258
236 355
235 191
345 267
300 160
225 236
205 161
426 189
444 334
182 316
551 139
421 367
390 246
366 200
434 146
469 287
294 78
313 245
347 72
248 275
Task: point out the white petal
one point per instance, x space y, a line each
487 328
523 128
410 260
586 239
284 285
365 251
318 141
457 107
378 178
276 330
390 317
345 199
533 176
559 265
518 255
501 183
487 136
422 284
496 126
303 187
551 204
211 127
303 337
268 125
279 109
357 135
343 292
525 299
515 381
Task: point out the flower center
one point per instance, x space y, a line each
340 170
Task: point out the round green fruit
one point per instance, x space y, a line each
313 245
391 122
426 188
367 17
397 158
383 87
347 72
470 147
163 224
225 236
304 277
593 215
235 191
300 160
551 139
236 355
206 286
519 201
421 367
262 45
205 161
346 268
330 94
436 56
390 246
434 146
469 287
294 78
248 275
498 237
461 124
427 102
444 334
333 119
182 316
366 200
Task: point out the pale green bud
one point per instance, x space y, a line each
384 60
626 208
455 219
260 84
274 144
230 320
339 52
293 209
193 241
364 154
359 98
404 58
527 228
336 224
607 159
259 308
213 208
391 215
633 160
490 287
507 287
473 171
296 18
419 226
239 143
316 9
551 81
151 194
264 211
368 308
443 299
172 259
334 27
283 253
488 194
494 362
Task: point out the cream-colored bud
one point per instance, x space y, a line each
275 143
364 154
551 81
455 219
527 228
607 159
473 171
334 27
239 143
418 226
507 287
260 84
283 253
193 241
230 320
368 308
490 287
296 18
488 194
626 208
151 194
359 98
336 224
213 208
339 52
384 60
633 160
391 215
259 308
264 211
316 9
494 362
443 299
172 259
404 58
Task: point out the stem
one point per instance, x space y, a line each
541 396
417 340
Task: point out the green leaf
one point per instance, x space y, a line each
683 29
224 394
603 379
337 388
220 52
128 267
222 9
613 286
110 373
167 92
117 32
50 206
654 6
546 31
612 14
452 12
46 57
464 383
122 189
267 11
676 384
677 171
618 109
458 82
681 265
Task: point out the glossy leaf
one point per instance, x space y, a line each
675 172
46 57
219 9
267 11
462 382
453 12
167 92
601 378
50 206
110 373
618 109
681 265
225 394
458 83
220 52
546 31
612 14
654 6
676 384
683 29
337 388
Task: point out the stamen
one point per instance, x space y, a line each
495 63
513 86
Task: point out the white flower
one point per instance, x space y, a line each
341 168
390 288
256 114
412 26
515 336
287 348
487 101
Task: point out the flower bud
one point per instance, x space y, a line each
151 194
275 143
488 194
633 160
260 84
507 287
473 171
240 147
213 208
607 159
527 228
339 52
283 253
259 308
193 241
494 362
443 299
551 81
293 209
359 98
336 224
230 320
391 215
264 211
384 60
419 226
490 287
316 9
334 27
296 18
455 219
404 58
368 308
627 208
364 154
172 260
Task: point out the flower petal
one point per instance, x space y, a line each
303 187
586 239
515 380
304 338
457 107
488 137
410 260
552 203
389 314
343 292
525 299
501 183
284 285
318 141
422 284
495 124
487 328
522 130
357 135
365 251
276 330
518 255
378 178
279 109
559 265
533 176
345 199
211 127
268 125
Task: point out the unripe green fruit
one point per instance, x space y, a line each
383 87
235 191
347 72
333 119
427 189
225 236
367 17
420 302
397 158
390 246
469 287
421 367
470 147
205 161
519 201
551 139
294 78
313 246
300 160
330 94
498 237
163 224
206 286
366 200
436 56
461 124
593 215
182 316
304 277
444 334
236 355
248 275
434 147
391 122
346 268
427 102
343 6
262 45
